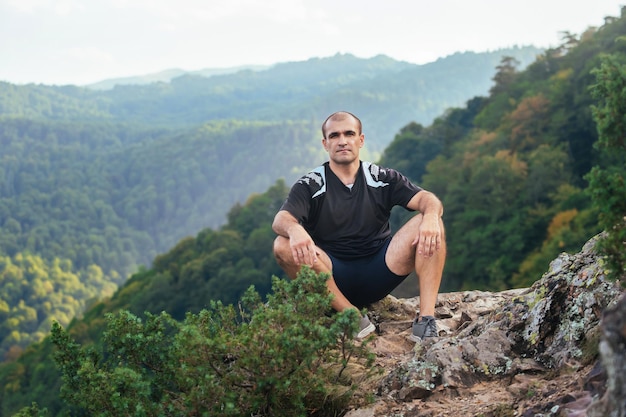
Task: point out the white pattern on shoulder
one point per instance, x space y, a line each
372 175
318 175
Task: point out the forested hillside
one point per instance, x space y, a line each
114 202
120 197
105 180
213 265
511 168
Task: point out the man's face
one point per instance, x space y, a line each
343 141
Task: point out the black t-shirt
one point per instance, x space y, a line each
349 223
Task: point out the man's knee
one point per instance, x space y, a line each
279 245
284 259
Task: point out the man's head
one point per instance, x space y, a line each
338 116
343 138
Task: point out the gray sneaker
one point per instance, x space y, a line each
366 327
426 327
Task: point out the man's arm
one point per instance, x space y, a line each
301 243
426 202
430 233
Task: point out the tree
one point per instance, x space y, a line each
607 183
505 74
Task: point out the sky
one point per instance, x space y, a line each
85 41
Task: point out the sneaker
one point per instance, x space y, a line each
366 327
426 327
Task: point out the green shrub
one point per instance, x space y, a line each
289 356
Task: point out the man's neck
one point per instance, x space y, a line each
346 173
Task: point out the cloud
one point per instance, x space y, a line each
190 12
24 6
58 7
87 54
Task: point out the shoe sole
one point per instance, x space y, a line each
418 339
366 331
415 339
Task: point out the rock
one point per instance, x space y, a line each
613 351
565 304
530 351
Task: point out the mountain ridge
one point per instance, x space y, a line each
385 93
167 75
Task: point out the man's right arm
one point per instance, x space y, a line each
303 248
283 222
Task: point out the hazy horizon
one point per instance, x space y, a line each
86 41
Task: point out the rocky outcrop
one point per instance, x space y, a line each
613 354
555 349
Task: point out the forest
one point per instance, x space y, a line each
512 167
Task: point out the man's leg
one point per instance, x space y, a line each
402 258
282 252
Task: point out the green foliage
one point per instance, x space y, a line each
32 411
410 151
607 183
511 171
34 293
114 195
31 381
502 183
97 197
567 232
284 357
215 265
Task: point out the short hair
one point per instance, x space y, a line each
341 115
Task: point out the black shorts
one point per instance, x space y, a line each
365 280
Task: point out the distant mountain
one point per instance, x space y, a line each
385 93
167 76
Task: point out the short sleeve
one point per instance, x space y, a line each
403 190
298 202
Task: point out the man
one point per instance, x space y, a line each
336 220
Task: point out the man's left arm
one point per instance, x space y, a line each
430 234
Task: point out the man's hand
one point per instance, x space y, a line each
303 249
429 236
302 246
